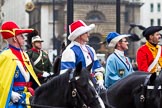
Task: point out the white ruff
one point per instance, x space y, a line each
22 70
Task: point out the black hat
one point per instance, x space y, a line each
151 30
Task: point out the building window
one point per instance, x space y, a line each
158 21
158 7
95 16
94 41
151 22
151 7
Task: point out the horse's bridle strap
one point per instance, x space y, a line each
40 106
152 87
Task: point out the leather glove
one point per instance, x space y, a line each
45 74
15 97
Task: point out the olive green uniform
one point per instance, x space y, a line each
44 63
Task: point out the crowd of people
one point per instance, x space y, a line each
23 71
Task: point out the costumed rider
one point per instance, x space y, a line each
118 65
78 51
16 71
149 56
40 59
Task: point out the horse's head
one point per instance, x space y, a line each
71 89
149 94
83 91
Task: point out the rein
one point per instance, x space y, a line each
142 97
76 95
40 106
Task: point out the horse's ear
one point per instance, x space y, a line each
63 47
78 69
56 65
89 67
160 76
152 77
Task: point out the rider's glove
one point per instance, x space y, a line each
45 74
15 97
51 73
101 84
100 81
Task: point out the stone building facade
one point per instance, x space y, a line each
100 12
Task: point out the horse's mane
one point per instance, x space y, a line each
132 77
54 83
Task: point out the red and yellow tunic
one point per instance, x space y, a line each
146 55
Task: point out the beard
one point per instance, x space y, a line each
37 47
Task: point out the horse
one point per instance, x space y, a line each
72 89
137 90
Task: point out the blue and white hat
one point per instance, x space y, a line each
113 38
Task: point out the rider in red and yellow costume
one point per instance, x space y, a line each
149 55
16 70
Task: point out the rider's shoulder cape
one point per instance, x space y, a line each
7 70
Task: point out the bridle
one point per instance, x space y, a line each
144 89
76 97
40 106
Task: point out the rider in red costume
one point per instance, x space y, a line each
149 56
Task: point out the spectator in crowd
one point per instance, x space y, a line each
118 65
149 56
78 51
16 71
40 59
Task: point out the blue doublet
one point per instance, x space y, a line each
76 53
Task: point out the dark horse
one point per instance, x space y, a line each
138 90
71 89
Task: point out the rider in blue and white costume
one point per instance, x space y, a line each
78 51
118 65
